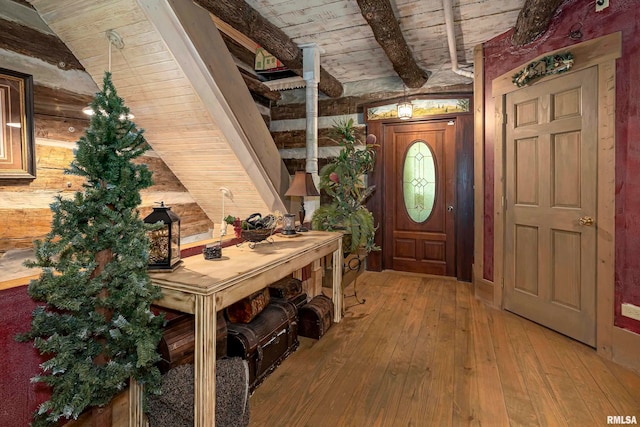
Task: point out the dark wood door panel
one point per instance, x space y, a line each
423 243
461 180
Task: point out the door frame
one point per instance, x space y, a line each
601 53
464 177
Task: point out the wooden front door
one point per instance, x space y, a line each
420 196
551 196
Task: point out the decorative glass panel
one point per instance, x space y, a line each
421 108
419 181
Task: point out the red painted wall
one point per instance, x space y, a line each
20 361
500 56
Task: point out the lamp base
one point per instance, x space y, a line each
302 229
289 236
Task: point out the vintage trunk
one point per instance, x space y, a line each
316 317
178 340
245 310
299 300
266 341
286 288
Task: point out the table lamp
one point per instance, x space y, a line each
302 185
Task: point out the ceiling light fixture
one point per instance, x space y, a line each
405 108
114 40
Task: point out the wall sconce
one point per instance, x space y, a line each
302 185
405 108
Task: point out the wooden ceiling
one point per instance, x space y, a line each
385 41
185 91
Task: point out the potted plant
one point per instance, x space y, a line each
343 180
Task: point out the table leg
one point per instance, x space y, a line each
337 283
136 413
205 361
316 278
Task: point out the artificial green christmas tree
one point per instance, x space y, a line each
96 326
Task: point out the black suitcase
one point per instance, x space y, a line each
265 341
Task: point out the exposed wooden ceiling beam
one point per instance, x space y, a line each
256 86
244 49
249 22
24 3
239 52
533 20
230 32
379 15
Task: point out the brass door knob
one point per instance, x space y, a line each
586 220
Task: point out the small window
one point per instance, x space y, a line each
419 181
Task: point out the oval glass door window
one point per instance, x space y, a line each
419 181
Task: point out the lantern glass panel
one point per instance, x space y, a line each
289 224
175 242
158 246
164 242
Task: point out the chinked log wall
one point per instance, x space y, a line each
21 225
59 123
288 123
288 129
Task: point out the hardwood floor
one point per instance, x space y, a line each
425 352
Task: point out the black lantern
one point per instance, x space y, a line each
164 243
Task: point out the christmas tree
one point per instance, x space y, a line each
95 327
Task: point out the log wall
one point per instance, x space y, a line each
288 122
24 211
288 129
59 122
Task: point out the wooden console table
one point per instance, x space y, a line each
202 288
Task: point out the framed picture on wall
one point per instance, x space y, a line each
17 142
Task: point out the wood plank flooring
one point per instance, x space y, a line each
425 352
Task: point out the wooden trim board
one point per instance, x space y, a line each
20 281
478 166
626 348
483 290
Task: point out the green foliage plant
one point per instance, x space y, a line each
94 325
343 180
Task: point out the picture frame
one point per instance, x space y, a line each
17 133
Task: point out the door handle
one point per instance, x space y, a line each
450 208
586 220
